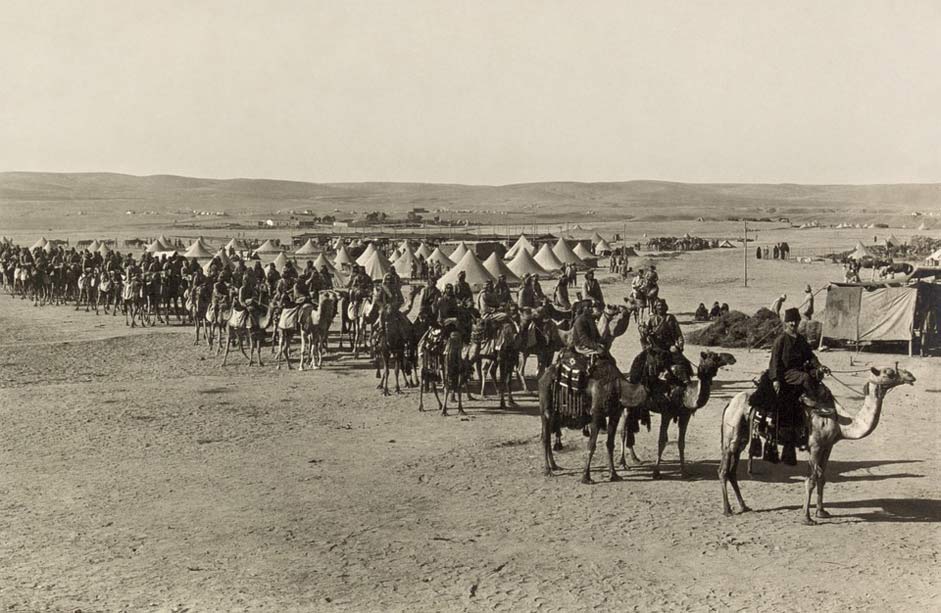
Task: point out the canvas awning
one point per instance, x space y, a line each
862 313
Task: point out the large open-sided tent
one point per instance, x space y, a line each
524 264
547 258
496 266
886 312
521 243
934 258
476 275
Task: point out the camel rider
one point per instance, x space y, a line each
561 294
462 290
488 302
301 293
430 294
391 292
527 295
503 290
537 290
586 339
248 297
313 281
290 273
662 342
591 289
639 285
326 277
791 369
448 311
653 283
272 275
360 284
220 296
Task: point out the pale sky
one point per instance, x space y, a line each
488 92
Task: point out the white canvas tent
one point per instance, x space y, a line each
547 259
860 252
377 265
583 253
366 255
93 247
404 263
496 266
322 261
104 249
343 258
565 254
603 248
308 248
476 274
458 253
423 251
236 245
280 262
437 256
42 242
197 250
521 243
268 247
157 246
524 264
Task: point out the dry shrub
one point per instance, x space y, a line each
735 329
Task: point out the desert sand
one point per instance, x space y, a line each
139 475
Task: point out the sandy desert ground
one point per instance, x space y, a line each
138 475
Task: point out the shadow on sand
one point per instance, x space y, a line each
837 471
890 510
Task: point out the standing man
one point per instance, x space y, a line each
807 307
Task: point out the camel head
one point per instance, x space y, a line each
710 362
889 377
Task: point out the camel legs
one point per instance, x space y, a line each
627 443
612 434
681 442
547 416
816 480
284 350
592 442
661 442
256 338
728 465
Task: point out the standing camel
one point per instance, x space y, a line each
315 326
693 398
392 334
823 433
133 297
247 322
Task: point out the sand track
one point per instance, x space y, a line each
139 475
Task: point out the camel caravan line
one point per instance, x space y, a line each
456 342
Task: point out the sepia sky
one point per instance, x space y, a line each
480 91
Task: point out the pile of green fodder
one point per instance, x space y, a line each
736 329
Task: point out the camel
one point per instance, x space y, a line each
501 361
694 397
133 298
606 391
315 326
392 333
247 322
824 433
106 291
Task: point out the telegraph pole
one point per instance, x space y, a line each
745 249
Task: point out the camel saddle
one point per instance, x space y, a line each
780 419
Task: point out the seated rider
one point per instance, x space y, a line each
791 370
586 339
662 342
503 290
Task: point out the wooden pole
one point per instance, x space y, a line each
746 252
